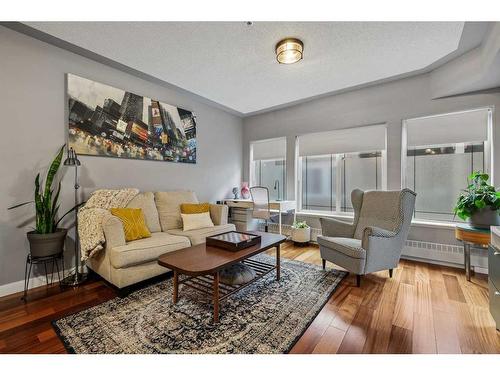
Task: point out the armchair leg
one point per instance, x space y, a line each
390 273
324 263
358 280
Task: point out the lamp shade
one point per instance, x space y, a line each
72 158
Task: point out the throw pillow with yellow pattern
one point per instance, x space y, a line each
134 224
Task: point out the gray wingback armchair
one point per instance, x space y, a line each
375 240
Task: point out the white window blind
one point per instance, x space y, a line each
269 149
361 139
458 127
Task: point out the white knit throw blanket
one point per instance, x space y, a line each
94 212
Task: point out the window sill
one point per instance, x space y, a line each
345 217
433 224
414 223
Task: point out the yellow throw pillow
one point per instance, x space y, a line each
134 224
195 208
196 221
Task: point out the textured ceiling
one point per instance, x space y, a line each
234 64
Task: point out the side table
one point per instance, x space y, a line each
471 236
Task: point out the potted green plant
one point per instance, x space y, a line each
47 238
479 202
301 232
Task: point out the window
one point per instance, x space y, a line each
439 153
268 166
362 171
332 164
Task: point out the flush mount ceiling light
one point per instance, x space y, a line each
289 51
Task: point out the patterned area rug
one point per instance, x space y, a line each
265 317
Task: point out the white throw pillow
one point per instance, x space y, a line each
196 221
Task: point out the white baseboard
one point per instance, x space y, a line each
35 282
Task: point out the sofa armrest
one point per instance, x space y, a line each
336 228
219 213
113 232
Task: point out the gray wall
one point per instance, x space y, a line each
385 103
33 126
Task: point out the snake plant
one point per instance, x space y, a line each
47 199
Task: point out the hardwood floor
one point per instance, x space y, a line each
422 309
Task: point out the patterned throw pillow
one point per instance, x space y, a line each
195 208
134 224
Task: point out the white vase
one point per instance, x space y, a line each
301 235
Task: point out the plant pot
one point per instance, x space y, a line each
44 245
484 218
301 235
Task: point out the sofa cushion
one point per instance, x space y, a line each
146 249
197 236
146 202
169 203
348 246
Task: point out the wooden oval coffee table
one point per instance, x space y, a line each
202 264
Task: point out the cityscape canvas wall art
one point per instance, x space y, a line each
106 121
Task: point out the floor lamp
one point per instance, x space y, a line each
77 276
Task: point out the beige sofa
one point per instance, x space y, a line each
125 263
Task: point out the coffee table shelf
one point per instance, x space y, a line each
204 283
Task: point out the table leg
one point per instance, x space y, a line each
467 260
216 297
176 287
279 219
278 268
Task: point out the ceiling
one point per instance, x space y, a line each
234 65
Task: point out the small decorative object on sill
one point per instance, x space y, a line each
245 191
301 233
236 193
479 202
